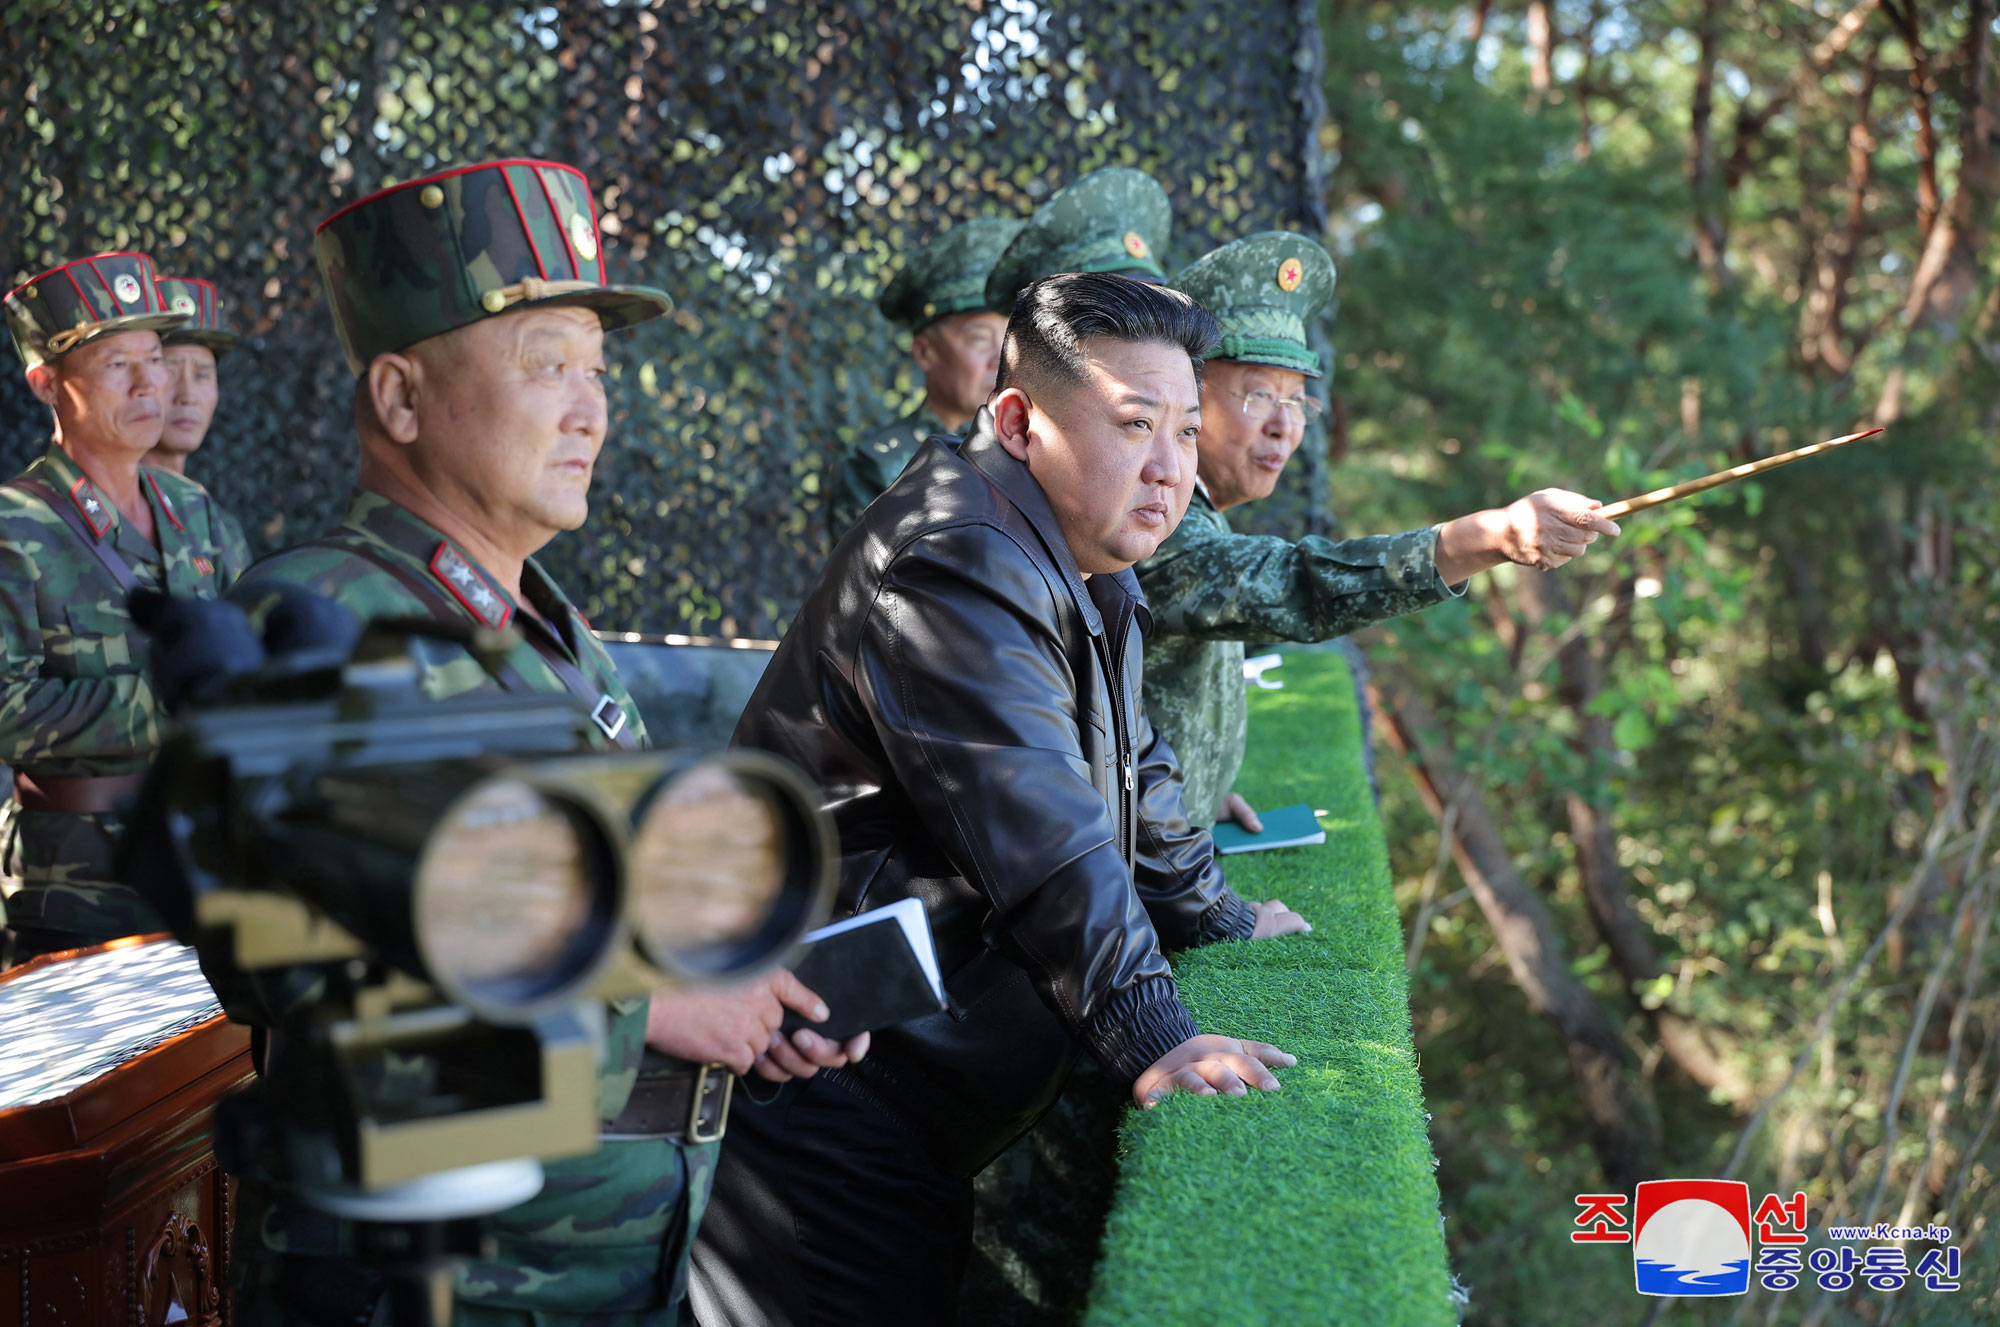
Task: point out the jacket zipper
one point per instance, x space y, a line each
1114 676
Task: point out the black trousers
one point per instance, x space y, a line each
826 1212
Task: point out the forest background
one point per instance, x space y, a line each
1693 835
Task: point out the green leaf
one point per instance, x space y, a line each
1632 731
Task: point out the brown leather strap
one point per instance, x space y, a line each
605 712
95 795
108 557
691 1106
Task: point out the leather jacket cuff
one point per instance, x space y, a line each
1138 1027
1229 918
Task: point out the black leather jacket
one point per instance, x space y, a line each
970 705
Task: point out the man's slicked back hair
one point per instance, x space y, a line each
1055 317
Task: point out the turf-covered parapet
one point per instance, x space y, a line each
1317 1203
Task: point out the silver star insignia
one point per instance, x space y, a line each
463 576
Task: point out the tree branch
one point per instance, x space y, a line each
1621 1134
1750 124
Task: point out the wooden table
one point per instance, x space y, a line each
112 1209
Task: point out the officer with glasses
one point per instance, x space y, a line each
1211 590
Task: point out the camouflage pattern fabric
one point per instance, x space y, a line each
948 275
75 700
447 250
1113 220
84 299
872 464
230 528
397 535
606 1242
1263 290
1211 590
197 299
621 1218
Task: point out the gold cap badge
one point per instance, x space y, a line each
1290 273
431 196
1135 244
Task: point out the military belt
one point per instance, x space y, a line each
690 1105
94 795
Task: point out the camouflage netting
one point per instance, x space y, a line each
764 161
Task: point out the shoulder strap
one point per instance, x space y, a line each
121 571
605 712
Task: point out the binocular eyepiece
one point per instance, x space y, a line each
433 900
467 843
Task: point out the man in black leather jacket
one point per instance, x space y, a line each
964 684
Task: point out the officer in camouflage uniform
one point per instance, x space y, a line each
481 410
1111 220
1211 589
192 351
940 299
80 529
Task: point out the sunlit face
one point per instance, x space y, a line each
1249 431
510 417
107 393
960 358
191 396
1115 454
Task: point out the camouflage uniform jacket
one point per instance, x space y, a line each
606 1240
872 464
232 530
75 698
1211 590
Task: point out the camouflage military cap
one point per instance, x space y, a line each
197 299
82 300
948 275
1112 220
1263 290
423 258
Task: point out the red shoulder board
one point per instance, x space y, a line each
166 503
478 594
95 514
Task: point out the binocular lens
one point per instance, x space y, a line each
510 882
709 861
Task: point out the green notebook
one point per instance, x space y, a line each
1286 827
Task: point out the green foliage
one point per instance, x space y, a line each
1784 681
1314 1203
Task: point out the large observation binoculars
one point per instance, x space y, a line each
431 900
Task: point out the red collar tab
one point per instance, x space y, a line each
166 503
96 514
479 595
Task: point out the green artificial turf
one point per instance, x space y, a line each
1316 1203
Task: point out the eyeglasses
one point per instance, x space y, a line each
1259 403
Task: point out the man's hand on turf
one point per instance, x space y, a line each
1274 918
1210 1065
